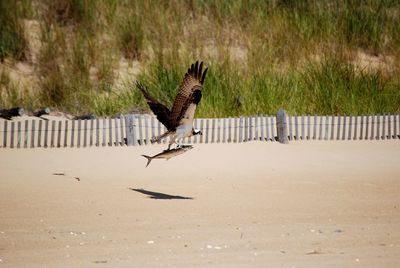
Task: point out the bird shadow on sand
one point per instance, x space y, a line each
156 195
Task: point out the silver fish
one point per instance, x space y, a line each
167 154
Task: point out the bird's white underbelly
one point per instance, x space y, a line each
183 131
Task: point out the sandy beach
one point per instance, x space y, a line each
305 204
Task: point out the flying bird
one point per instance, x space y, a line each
179 119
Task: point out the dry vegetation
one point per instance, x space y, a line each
82 56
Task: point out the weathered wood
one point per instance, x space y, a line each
367 127
302 128
338 128
19 134
332 127
241 129
344 128
219 123
78 143
91 132
66 134
320 125
383 127
207 130
59 134
361 128
26 134
378 127
116 121
262 127
104 140
395 126
326 127
389 121
52 133
129 129
273 126
350 127
12 134
355 127
296 128
33 133
153 126
97 132
202 130
72 132
315 128
230 126
282 128
39 143
122 128
267 135
372 127
146 128
224 130
5 133
140 129
290 124
110 135
85 131
213 130
46 133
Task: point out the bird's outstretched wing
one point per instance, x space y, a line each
159 109
189 92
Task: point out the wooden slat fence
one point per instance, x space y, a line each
133 130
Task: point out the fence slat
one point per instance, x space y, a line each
332 127
91 132
230 129
104 140
344 128
12 134
296 128
212 130
241 129
146 129
66 134
389 121
383 126
320 128
26 134
326 127
372 127
303 128
350 127
85 131
5 133
315 128
59 134
224 131
52 131
46 133
273 128
367 127
19 134
355 127
33 133
361 128
378 127
290 118
219 122
110 135
395 126
116 141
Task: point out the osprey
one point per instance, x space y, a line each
179 120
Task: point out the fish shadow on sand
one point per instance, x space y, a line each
156 195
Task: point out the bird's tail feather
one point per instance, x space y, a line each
149 158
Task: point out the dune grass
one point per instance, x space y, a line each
262 55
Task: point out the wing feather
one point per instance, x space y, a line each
193 80
160 110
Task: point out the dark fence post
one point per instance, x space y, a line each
281 127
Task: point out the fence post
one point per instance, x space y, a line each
281 127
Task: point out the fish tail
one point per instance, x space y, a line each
149 158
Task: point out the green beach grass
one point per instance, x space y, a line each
308 57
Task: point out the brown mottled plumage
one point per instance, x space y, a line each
186 100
